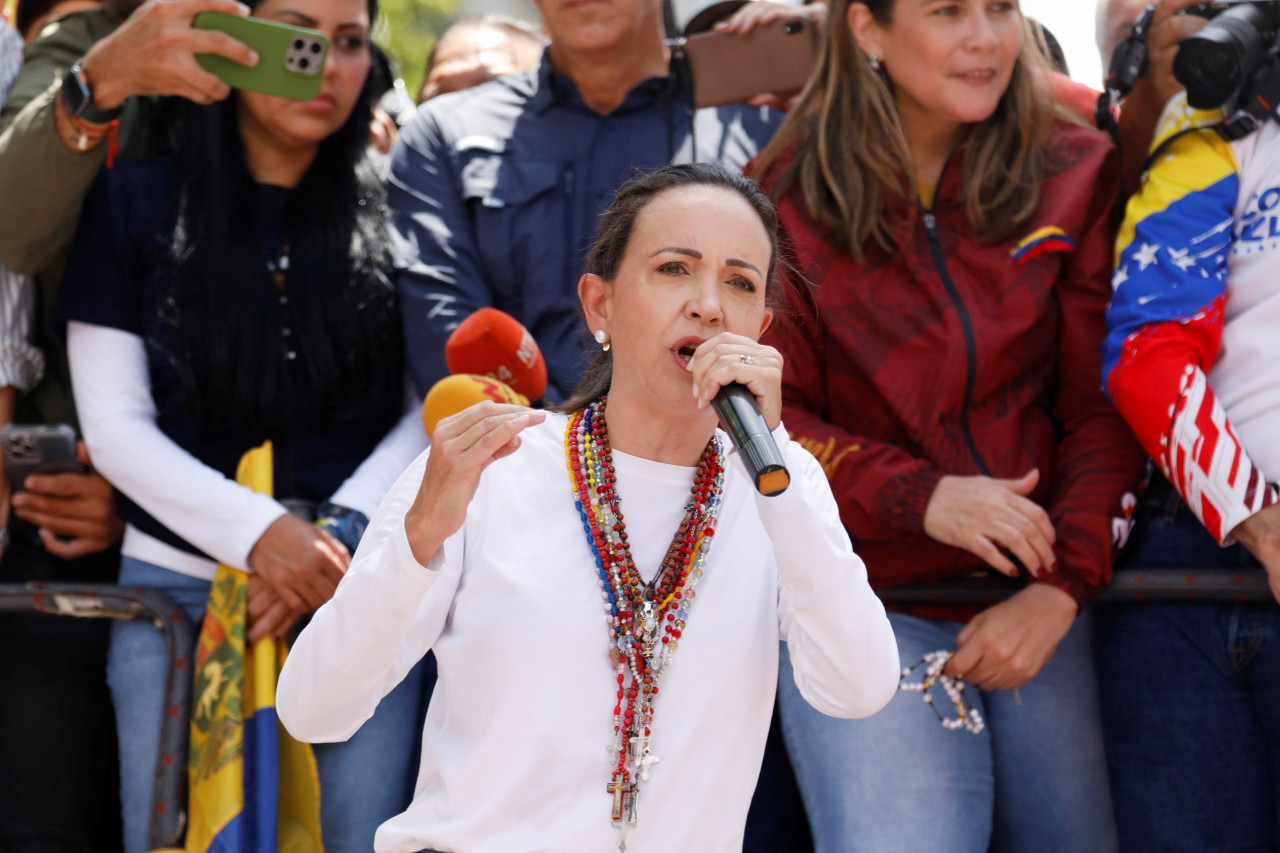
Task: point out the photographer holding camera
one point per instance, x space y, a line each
1190 695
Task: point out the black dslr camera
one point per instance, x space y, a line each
1224 57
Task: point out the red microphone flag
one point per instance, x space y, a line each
495 344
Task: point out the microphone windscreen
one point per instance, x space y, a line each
462 391
493 343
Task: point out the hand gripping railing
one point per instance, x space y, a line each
101 601
1127 585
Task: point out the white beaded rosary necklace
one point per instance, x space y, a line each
967 716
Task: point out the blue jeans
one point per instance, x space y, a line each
364 781
1191 703
1033 780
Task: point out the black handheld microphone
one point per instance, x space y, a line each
736 407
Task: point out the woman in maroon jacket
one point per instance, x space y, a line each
954 222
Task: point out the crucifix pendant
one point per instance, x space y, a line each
623 791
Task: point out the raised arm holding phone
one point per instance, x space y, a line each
122 53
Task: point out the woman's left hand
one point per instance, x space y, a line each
1005 646
728 358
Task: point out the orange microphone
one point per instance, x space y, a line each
493 343
462 391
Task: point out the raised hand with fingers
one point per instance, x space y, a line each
982 515
153 53
462 447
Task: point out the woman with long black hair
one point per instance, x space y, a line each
234 293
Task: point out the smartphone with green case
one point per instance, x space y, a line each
290 58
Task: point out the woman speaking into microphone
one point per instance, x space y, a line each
602 585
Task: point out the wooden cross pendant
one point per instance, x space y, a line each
622 791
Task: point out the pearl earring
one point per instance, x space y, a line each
603 339
875 62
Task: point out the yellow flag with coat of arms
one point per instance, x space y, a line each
252 787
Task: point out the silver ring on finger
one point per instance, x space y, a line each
748 359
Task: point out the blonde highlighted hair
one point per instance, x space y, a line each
852 161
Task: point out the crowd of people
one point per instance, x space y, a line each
990 340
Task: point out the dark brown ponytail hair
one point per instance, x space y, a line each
617 223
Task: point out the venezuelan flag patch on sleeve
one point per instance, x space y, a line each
1051 238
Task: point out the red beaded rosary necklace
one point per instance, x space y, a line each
646 619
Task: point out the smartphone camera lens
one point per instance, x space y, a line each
315 47
298 44
303 63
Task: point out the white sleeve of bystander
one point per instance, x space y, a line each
112 386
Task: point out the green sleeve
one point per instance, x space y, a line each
35 165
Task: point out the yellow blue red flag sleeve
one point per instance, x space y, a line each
1166 319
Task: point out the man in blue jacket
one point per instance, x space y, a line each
496 190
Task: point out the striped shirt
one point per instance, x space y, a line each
10 57
21 364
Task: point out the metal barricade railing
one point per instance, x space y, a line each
169 803
1127 585
101 601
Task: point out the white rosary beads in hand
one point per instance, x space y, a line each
966 715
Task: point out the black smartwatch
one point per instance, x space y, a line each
78 97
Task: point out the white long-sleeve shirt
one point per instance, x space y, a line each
514 755
112 386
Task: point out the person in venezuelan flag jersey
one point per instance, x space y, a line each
1191 691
